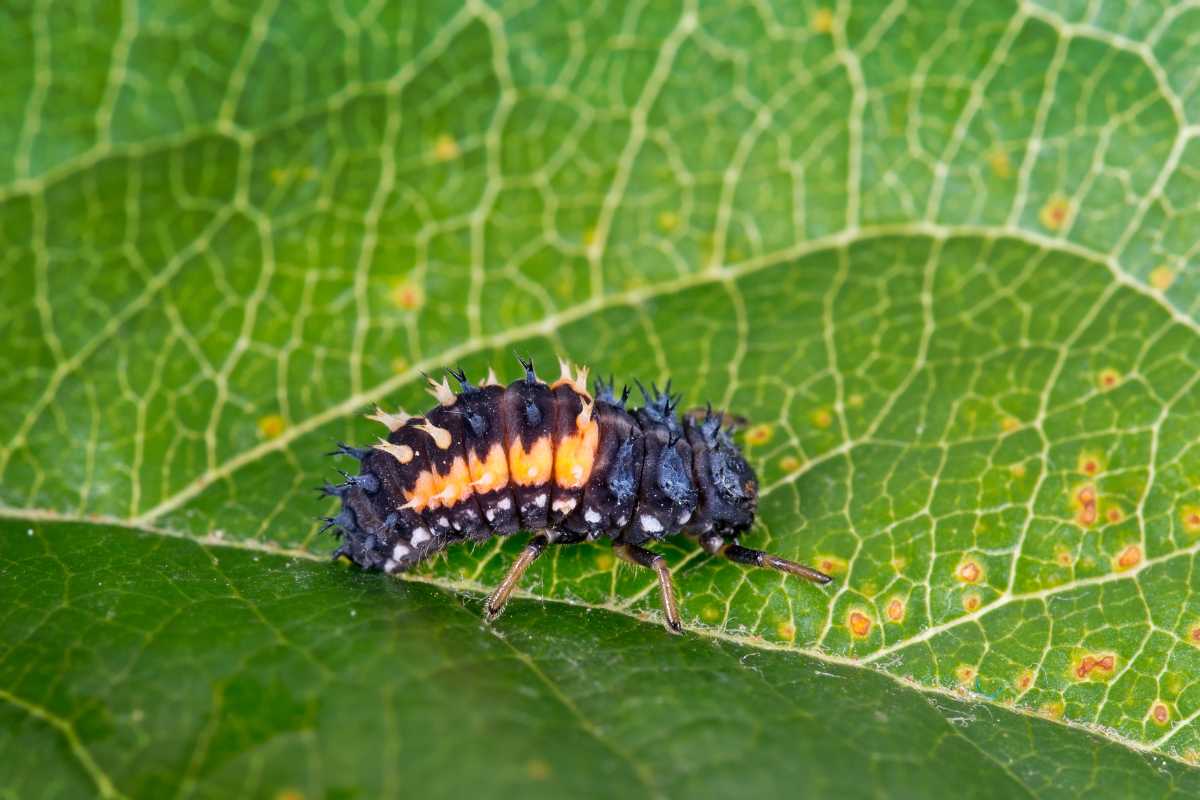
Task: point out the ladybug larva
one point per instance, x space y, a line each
491 460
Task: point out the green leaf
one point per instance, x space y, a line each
942 257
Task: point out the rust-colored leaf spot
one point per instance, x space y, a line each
759 434
1025 680
1130 557
271 426
821 418
831 565
1055 213
604 561
969 572
1114 514
822 21
1160 713
895 610
859 624
789 463
1052 710
965 674
445 148
786 630
1095 667
1090 463
407 296
1194 635
1162 277
1086 511
1010 424
1191 519
1017 470
971 601
1107 379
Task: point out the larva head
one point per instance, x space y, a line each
728 485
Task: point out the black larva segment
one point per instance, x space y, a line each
491 459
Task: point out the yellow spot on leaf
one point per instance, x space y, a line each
1055 213
965 674
407 296
1107 379
399 365
1161 278
1191 519
786 630
1159 713
604 562
1017 470
822 21
821 418
1010 424
971 601
998 161
710 614
831 565
759 434
969 571
1090 463
1025 680
589 237
537 769
859 624
1053 710
445 148
289 794
668 221
1063 556
855 401
271 426
895 610
789 463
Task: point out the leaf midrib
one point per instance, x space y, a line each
717 634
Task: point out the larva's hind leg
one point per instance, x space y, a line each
647 558
499 598
757 558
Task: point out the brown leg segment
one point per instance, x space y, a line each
499 598
646 558
757 558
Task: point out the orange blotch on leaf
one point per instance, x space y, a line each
1162 277
407 296
1107 379
1130 557
1084 500
895 610
969 571
1052 710
1025 680
1191 519
831 565
604 562
789 463
1010 424
759 434
1063 556
1098 666
821 418
822 21
965 673
1160 713
271 426
1055 213
859 624
1089 463
1017 470
1114 514
786 630
971 601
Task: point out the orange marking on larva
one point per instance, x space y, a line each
490 473
965 674
574 456
971 601
1191 519
1025 680
969 572
1107 379
895 610
759 434
1160 713
1098 667
531 467
859 624
1055 213
407 296
1130 557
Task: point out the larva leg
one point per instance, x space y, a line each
646 558
499 598
757 558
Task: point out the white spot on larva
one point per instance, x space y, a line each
457 525
445 523
400 551
622 520
504 505
389 566
684 516
650 524
540 501
591 516
491 514
419 536
564 506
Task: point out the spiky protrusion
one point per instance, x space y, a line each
464 385
491 379
661 405
442 392
401 452
605 392
394 422
343 522
441 437
343 449
527 365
